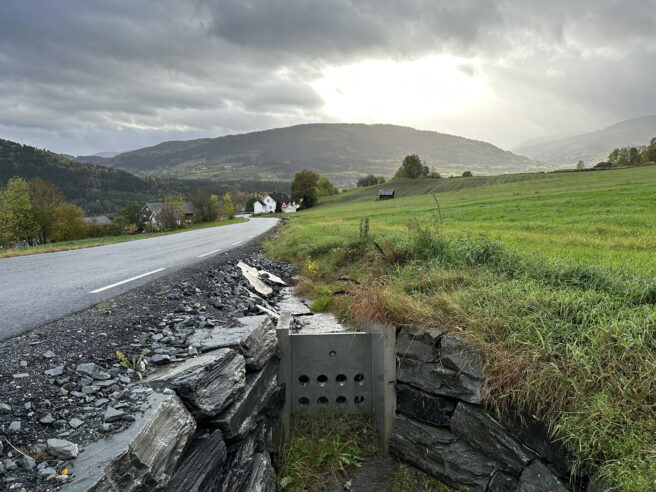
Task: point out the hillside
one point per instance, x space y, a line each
98 189
591 147
515 184
343 152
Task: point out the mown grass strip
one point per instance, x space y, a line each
102 241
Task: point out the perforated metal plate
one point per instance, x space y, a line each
331 371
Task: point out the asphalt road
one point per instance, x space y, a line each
36 289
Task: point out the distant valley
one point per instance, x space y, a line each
590 147
342 152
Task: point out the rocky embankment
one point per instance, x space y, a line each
69 401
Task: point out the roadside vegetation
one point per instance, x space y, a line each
104 240
554 278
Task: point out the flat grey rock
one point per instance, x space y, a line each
253 276
438 380
142 457
259 387
61 448
292 304
432 409
460 356
422 345
440 453
483 432
207 384
55 371
322 323
538 478
112 414
92 370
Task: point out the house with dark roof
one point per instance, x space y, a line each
150 211
272 202
99 220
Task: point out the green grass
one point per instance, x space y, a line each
554 277
101 241
322 445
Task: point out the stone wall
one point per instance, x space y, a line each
443 428
208 424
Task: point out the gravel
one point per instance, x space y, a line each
65 386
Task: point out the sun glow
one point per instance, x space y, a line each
391 91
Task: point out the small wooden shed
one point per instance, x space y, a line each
386 194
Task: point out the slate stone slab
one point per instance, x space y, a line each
483 432
237 419
460 356
292 304
261 343
207 384
253 276
144 456
440 453
502 482
201 464
438 380
538 478
263 476
416 344
236 470
433 409
535 434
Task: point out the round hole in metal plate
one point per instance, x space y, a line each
341 401
332 353
359 400
322 401
304 401
359 378
322 380
303 379
341 379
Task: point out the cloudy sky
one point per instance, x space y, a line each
81 77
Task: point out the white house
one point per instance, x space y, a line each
270 202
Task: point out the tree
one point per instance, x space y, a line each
206 206
370 180
250 205
45 198
67 224
412 168
634 156
580 165
16 214
467 174
326 188
130 215
170 216
228 207
304 188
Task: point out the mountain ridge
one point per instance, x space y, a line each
593 146
341 151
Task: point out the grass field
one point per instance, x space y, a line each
554 277
101 241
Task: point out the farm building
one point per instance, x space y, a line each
386 194
150 211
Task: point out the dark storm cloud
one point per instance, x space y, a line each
81 76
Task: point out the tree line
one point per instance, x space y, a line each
631 156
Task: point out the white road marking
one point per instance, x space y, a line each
126 281
211 252
235 244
